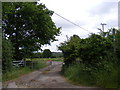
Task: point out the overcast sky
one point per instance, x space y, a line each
86 13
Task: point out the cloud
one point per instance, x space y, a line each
85 13
103 8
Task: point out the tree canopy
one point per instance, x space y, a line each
89 50
28 26
47 53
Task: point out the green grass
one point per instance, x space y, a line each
45 59
16 72
108 78
82 75
79 74
0 76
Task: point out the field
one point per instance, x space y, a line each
45 59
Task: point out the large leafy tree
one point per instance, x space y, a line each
47 53
28 26
70 49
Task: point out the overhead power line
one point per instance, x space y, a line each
72 22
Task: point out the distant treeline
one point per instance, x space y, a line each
53 55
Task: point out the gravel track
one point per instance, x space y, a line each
48 77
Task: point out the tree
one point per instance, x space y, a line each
28 26
94 49
47 53
37 55
91 50
70 49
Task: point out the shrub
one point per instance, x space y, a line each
7 55
82 74
108 77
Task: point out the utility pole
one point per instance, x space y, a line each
102 30
103 26
67 37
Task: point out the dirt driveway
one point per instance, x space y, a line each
48 77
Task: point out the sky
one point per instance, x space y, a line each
88 14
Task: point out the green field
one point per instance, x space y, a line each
45 59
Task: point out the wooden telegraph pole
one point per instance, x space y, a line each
103 24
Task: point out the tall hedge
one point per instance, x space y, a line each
91 50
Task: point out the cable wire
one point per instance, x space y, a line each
72 22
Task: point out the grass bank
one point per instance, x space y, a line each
106 77
16 72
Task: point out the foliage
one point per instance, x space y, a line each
70 49
93 60
57 54
28 26
47 53
79 74
16 72
37 55
7 55
94 49
108 77
118 45
82 74
85 49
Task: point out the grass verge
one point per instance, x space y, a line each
17 72
80 74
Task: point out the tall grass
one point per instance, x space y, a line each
109 76
79 74
16 72
89 76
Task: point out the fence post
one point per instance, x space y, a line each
24 62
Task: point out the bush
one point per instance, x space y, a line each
108 77
98 62
83 74
7 55
47 53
